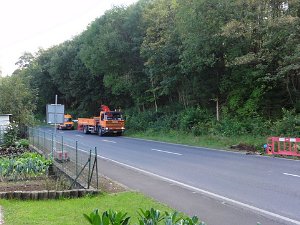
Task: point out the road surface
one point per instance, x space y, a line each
220 187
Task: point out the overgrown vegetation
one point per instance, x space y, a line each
201 122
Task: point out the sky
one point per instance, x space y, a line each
26 26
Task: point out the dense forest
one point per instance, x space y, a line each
214 67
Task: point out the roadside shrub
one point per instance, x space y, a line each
139 121
288 125
192 117
229 126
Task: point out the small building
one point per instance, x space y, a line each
5 120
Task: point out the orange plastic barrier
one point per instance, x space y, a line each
283 146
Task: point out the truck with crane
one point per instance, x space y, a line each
108 122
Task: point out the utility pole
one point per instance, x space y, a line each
217 107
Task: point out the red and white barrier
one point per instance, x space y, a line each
283 146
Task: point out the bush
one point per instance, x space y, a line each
22 143
11 135
288 125
193 117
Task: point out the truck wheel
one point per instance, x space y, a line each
85 130
100 131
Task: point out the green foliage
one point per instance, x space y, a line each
196 120
146 217
17 98
11 135
288 125
108 218
24 166
22 143
150 217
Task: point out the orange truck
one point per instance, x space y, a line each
108 122
68 123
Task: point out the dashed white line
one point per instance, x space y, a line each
109 141
78 135
158 150
290 174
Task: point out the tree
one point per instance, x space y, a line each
161 51
17 99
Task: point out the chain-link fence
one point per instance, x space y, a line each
72 157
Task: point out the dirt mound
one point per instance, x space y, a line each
244 147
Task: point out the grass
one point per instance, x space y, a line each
210 141
70 211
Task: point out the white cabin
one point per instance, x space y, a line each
5 120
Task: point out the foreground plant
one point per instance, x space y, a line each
146 217
108 218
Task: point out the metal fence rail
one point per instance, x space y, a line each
71 156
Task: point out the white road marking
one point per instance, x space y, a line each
253 208
78 135
157 150
290 174
109 141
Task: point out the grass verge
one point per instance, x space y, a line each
210 141
70 211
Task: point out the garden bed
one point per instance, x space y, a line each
40 184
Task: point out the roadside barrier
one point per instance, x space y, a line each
283 146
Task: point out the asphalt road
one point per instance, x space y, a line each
251 188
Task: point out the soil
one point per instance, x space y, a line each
244 147
12 151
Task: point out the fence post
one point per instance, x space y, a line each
33 137
45 141
89 168
52 144
62 148
62 153
96 158
76 155
38 144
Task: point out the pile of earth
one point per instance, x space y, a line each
244 147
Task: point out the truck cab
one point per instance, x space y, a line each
68 123
111 122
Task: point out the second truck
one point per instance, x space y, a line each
108 121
